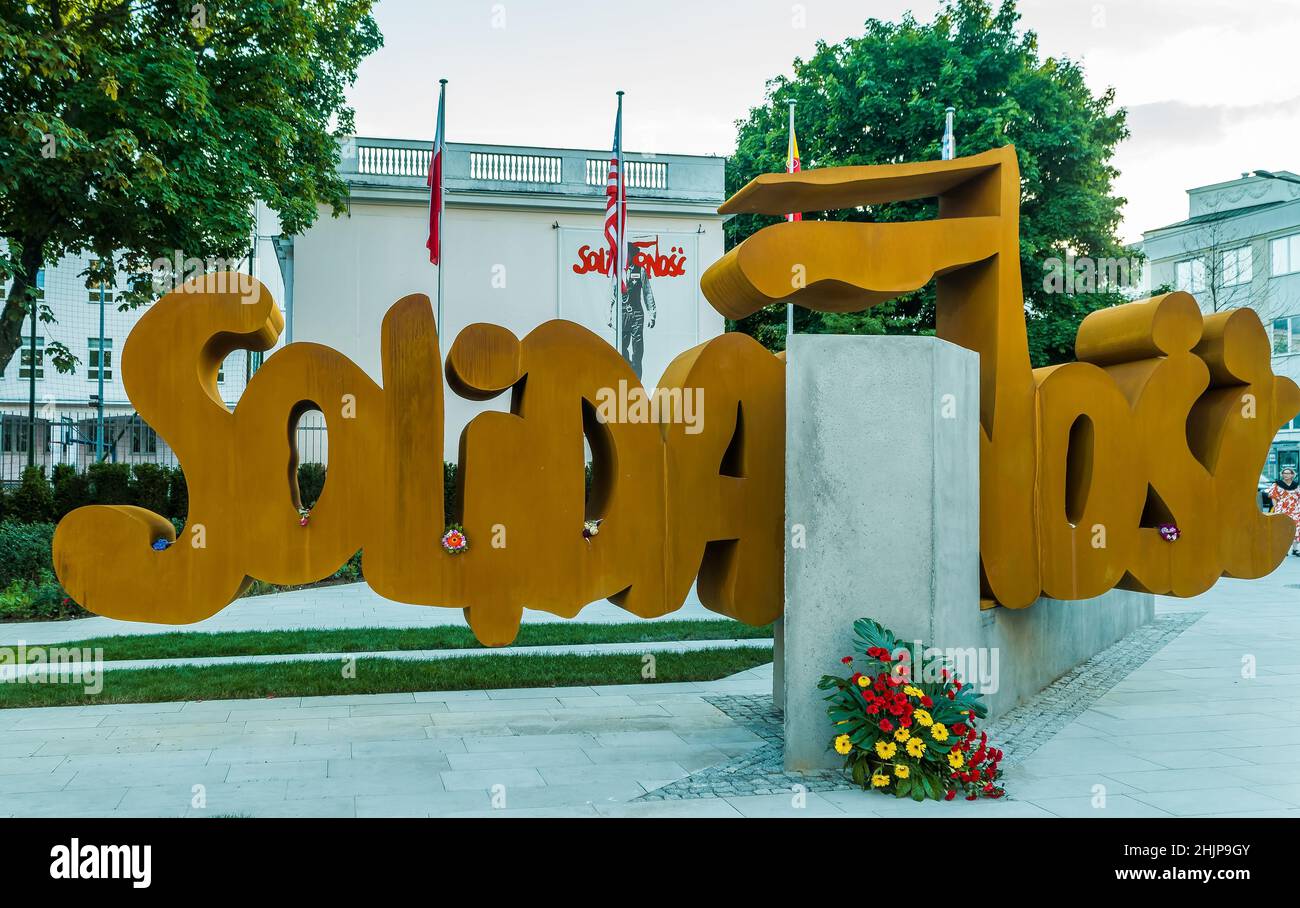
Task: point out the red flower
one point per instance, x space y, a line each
970 797
886 726
951 793
873 708
927 703
847 660
906 721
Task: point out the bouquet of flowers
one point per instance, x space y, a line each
454 541
908 732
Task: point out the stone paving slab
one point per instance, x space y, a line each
12 672
344 605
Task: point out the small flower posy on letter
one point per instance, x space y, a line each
905 736
1169 532
454 541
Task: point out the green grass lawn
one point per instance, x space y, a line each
183 645
374 676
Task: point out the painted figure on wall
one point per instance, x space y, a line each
638 301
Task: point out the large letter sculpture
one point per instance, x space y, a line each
1166 417
720 489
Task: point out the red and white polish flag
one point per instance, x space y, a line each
434 243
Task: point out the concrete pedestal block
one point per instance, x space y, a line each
882 522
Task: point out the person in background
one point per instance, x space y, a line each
1286 500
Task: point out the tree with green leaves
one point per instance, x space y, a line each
137 129
880 98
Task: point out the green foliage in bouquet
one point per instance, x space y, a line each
907 727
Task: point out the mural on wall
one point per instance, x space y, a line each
659 305
1165 421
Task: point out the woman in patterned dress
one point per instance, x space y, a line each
1286 500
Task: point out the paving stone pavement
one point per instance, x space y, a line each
341 605
1204 726
1020 732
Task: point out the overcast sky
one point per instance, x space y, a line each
1212 86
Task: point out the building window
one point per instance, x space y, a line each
144 440
25 358
1285 254
93 295
1238 267
13 434
1286 335
99 356
40 283
1190 275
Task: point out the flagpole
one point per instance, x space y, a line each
789 307
620 204
442 207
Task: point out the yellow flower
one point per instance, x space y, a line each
901 770
912 691
922 717
955 759
863 681
885 749
843 744
879 781
939 732
902 734
916 747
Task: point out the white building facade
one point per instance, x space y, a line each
1240 246
522 243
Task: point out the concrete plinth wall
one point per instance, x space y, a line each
882 520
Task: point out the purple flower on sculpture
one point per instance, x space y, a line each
590 528
1169 532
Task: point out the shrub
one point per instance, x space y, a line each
311 482
178 495
39 600
26 548
152 484
33 500
450 493
71 490
110 483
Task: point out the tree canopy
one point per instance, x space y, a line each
134 129
880 98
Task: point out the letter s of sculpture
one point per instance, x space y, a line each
674 503
1161 419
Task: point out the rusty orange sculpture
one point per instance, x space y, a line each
1166 417
522 472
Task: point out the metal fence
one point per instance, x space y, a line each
71 437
